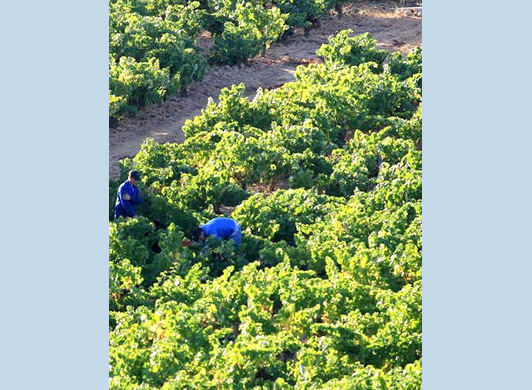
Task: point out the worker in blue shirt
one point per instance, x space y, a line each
128 196
221 228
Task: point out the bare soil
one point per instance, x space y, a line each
394 30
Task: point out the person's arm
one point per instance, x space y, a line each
136 199
125 200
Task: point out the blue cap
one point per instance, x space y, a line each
134 174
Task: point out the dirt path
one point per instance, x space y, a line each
163 122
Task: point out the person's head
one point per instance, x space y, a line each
198 234
134 177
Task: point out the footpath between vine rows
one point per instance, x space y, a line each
393 31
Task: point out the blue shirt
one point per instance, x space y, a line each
127 198
223 228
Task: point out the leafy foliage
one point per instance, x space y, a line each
344 49
302 13
250 30
152 51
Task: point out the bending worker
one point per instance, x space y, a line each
221 228
128 196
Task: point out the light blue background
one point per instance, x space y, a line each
477 298
53 197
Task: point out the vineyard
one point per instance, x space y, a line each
153 50
324 176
